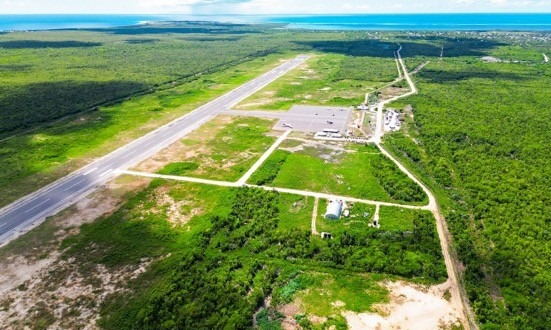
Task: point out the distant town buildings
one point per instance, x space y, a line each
392 120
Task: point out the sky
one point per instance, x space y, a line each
251 7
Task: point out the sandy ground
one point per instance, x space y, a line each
356 123
199 151
410 307
266 99
315 144
37 285
391 92
289 311
491 59
174 209
179 151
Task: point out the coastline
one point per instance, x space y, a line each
534 22
420 22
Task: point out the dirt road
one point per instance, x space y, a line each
458 293
304 193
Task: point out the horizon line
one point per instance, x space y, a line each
288 14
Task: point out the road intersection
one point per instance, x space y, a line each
33 209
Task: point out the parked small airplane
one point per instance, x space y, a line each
287 125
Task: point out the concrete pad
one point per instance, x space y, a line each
313 119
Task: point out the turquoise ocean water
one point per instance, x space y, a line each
433 22
525 22
49 22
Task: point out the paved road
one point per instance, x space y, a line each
34 208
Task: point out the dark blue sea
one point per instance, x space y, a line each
417 22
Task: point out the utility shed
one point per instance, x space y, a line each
334 210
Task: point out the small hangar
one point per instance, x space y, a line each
334 210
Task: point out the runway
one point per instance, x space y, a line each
36 207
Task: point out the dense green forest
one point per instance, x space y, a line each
481 137
88 69
224 263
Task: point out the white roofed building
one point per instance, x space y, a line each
334 210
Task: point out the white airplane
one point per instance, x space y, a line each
287 125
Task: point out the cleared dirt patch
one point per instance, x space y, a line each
178 151
63 297
39 289
289 311
178 212
411 307
391 92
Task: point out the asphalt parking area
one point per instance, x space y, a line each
315 119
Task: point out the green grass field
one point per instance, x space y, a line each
295 212
393 218
324 291
222 150
350 172
325 80
310 173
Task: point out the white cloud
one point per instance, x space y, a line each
512 4
251 7
159 6
380 6
165 3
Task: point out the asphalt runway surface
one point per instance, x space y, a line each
34 208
